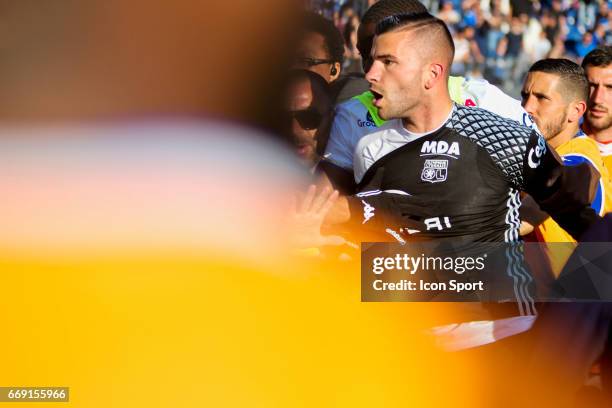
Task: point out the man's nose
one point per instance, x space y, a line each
529 105
373 74
597 95
296 128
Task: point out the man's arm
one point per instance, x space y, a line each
374 211
531 215
337 177
343 138
564 192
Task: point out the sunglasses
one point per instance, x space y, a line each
310 62
308 119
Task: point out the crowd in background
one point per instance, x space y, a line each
496 39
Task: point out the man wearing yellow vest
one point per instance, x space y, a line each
555 94
358 116
597 66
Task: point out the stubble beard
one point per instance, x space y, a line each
599 124
397 109
553 128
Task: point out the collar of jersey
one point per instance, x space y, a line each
413 135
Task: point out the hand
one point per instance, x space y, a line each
307 217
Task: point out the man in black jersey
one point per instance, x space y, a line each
441 170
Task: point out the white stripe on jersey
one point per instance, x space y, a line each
512 216
605 149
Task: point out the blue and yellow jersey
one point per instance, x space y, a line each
605 148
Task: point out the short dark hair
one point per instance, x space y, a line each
599 57
574 82
334 42
375 14
385 8
418 20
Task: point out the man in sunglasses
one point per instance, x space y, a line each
308 115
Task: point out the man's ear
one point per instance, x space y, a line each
575 110
434 74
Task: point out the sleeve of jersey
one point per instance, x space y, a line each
598 200
563 192
376 213
479 92
341 143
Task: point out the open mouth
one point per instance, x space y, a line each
377 97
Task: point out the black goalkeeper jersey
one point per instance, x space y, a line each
462 180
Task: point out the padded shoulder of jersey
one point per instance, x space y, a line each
485 95
504 139
351 106
376 145
581 145
583 149
346 132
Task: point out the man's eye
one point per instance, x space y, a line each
387 62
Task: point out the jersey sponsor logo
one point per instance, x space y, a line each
436 223
527 120
536 153
440 147
369 122
368 212
469 102
395 235
434 171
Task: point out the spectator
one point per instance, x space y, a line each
321 48
352 61
462 52
601 36
603 15
511 46
476 60
521 7
541 47
448 14
586 45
